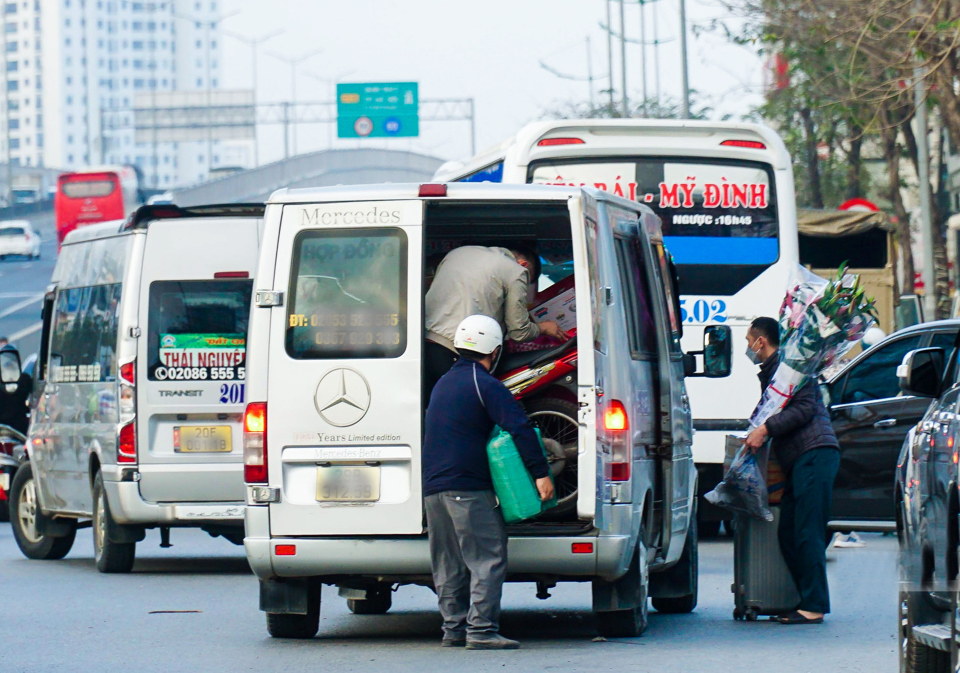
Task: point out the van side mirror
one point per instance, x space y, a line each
921 372
717 354
10 369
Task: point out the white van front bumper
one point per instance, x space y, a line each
128 507
410 556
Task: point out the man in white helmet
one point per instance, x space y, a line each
468 538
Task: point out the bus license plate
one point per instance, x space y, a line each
202 439
348 483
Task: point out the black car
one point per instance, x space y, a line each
872 416
928 515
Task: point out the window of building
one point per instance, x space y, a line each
14 143
11 8
14 124
69 140
12 66
199 83
13 85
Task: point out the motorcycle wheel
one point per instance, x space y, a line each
557 420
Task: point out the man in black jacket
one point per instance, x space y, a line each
807 449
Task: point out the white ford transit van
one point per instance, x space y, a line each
334 387
141 383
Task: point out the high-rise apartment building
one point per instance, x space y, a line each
74 67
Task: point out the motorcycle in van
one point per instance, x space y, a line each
139 388
334 383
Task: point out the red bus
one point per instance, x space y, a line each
94 195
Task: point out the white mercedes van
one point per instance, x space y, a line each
141 383
334 391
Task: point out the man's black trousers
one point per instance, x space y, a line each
804 514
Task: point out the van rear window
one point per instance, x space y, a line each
198 330
348 294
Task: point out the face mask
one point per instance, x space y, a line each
753 356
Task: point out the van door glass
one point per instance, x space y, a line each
197 330
640 325
719 216
348 294
596 285
85 334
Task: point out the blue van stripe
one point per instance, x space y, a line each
722 250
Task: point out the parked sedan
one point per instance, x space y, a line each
17 237
872 416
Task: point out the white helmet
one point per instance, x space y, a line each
478 333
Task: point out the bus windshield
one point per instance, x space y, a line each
719 216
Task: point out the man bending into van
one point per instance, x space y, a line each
468 538
472 280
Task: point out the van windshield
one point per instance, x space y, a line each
198 329
348 294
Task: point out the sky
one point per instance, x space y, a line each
488 50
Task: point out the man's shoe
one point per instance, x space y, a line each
453 642
493 642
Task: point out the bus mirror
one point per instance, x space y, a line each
10 367
717 353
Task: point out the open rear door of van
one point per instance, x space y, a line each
584 216
344 410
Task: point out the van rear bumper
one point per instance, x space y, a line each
128 507
411 556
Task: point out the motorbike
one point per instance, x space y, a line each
545 383
13 454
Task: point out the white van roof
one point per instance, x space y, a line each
400 192
92 232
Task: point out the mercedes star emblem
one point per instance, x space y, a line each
343 397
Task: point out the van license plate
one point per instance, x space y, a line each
202 439
348 483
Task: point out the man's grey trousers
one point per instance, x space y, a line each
468 553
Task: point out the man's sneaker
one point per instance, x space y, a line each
492 642
850 541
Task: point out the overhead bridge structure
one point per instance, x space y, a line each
317 169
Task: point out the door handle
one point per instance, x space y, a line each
885 423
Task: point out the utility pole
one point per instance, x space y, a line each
590 73
473 128
683 61
293 62
286 130
610 54
333 82
623 60
254 43
656 54
643 59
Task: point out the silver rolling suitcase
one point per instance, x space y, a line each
762 584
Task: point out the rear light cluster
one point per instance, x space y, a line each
553 142
255 443
433 189
127 432
749 144
616 428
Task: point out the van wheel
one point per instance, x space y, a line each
684 574
378 602
557 420
111 557
916 657
25 514
629 623
302 627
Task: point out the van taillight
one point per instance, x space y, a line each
616 426
749 144
127 444
255 443
128 372
552 142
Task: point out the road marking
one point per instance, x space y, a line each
23 304
25 332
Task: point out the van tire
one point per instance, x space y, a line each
379 602
685 574
110 557
34 545
300 627
630 623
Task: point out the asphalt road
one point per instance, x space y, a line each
22 284
63 616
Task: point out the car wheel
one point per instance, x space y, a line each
111 557
26 514
915 657
630 623
685 574
302 627
378 602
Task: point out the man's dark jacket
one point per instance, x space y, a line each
802 425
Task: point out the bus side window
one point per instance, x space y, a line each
640 325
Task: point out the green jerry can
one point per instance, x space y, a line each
515 488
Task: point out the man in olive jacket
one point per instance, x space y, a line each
806 447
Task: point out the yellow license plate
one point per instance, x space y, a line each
348 483
202 439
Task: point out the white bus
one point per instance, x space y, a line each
724 192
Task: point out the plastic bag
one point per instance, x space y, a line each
515 488
744 486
